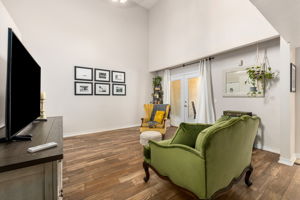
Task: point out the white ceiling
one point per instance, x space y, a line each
148 4
284 15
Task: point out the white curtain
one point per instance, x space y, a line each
206 108
167 86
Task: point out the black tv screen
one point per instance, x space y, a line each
23 87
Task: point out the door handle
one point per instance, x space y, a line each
194 109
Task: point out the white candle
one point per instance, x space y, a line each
43 95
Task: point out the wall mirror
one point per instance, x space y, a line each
235 84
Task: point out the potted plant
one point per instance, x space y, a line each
157 82
258 74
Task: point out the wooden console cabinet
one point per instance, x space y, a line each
33 176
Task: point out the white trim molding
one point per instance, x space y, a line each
72 134
297 155
287 161
267 148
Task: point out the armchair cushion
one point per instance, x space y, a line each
187 134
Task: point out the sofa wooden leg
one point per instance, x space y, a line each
247 177
146 168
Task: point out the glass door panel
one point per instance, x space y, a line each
184 98
192 99
176 103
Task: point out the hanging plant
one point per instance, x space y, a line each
259 74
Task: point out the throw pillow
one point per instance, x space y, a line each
159 116
187 134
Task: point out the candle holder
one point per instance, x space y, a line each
43 116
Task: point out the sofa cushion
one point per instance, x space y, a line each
187 134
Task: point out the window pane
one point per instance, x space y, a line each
193 96
175 101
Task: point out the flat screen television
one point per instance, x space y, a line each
23 89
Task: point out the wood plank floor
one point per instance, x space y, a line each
108 166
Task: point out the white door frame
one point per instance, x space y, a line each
183 77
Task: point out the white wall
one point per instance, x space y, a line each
287 107
92 33
297 136
268 108
5 23
181 30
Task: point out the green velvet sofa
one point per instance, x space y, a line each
204 159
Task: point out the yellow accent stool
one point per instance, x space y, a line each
155 118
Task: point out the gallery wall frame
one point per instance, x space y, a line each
119 89
102 89
83 73
83 88
102 75
118 77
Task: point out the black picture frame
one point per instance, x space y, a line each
77 93
113 77
118 94
95 89
79 77
293 81
96 70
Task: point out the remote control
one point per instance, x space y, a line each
42 147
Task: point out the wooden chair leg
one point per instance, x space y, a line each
247 177
146 168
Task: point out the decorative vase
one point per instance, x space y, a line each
253 89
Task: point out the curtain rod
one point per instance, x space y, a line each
191 62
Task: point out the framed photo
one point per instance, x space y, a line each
119 89
293 78
83 73
102 89
118 77
83 88
102 75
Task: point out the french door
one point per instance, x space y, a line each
184 98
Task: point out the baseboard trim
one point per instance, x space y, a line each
269 149
287 161
73 134
297 155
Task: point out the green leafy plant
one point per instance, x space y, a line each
258 73
157 81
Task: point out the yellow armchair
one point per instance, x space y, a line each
150 111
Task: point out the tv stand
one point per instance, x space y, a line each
30 176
